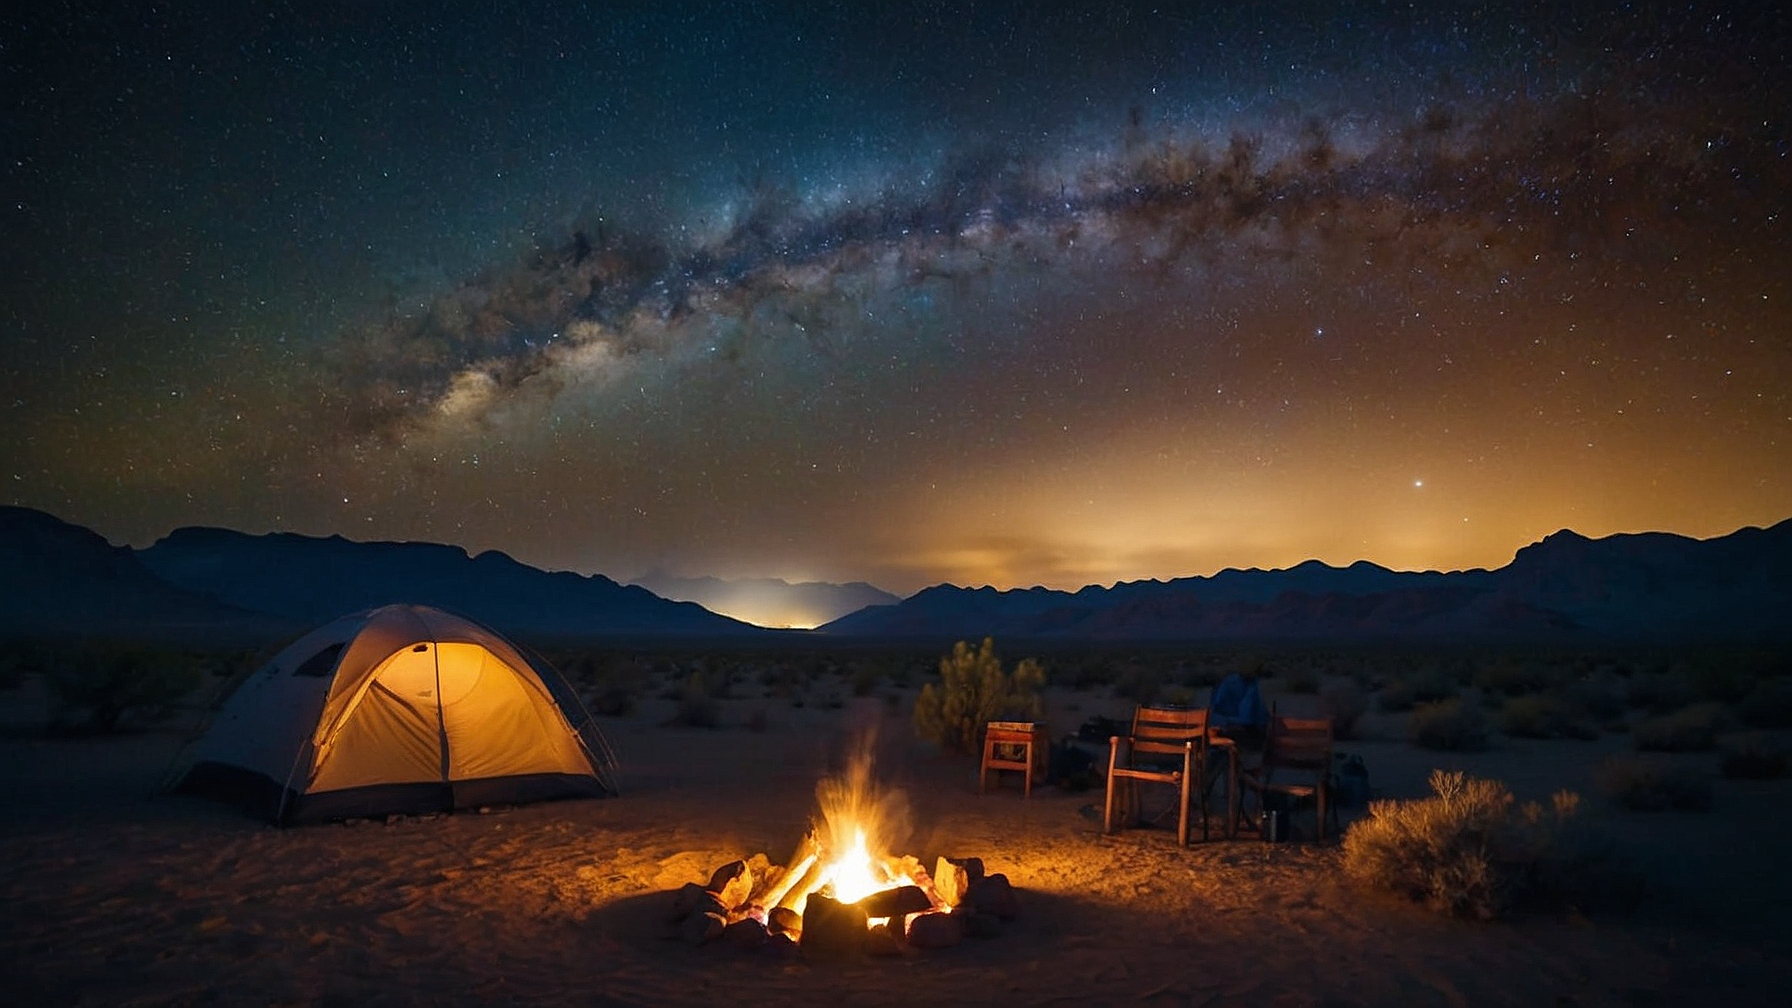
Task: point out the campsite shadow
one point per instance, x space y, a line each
1045 921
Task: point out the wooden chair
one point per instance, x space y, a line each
1180 735
1301 747
1003 741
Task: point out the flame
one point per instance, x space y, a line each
857 817
853 875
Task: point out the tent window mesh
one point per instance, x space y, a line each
320 664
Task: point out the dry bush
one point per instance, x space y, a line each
1424 687
1754 755
1513 677
1345 703
1768 704
1653 783
1660 692
974 690
1472 850
1535 715
1693 729
1599 695
1448 725
697 706
110 685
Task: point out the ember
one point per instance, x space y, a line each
842 894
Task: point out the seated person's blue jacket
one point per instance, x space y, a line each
1237 701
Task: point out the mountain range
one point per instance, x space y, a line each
61 578
769 602
1645 585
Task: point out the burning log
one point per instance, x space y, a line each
832 928
776 896
898 902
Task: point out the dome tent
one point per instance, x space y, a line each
400 709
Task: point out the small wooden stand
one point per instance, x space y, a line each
1029 736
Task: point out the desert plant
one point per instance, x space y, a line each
1754 755
1345 703
1428 686
1769 704
1652 783
974 690
1534 715
1693 729
1469 849
109 684
1512 677
1448 725
697 706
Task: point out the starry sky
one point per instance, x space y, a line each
1005 293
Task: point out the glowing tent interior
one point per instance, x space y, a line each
400 709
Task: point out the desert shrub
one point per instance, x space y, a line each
1652 783
1470 849
1428 686
974 690
1660 691
1140 684
865 678
1721 678
1303 681
1768 704
697 706
1754 755
1535 715
1599 696
1513 677
109 684
1693 729
1345 703
1180 696
1448 725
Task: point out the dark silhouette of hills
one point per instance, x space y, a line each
314 579
770 602
1648 585
57 578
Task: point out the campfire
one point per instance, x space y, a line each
841 893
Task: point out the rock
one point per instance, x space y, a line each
702 928
880 941
950 881
982 925
690 899
935 931
783 920
780 948
832 928
993 895
896 902
732 883
744 935
973 866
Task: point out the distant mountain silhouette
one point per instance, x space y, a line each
57 578
771 602
1648 585
317 579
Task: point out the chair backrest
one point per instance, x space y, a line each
1298 742
1167 729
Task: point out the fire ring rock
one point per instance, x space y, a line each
832 928
896 902
700 929
992 894
732 883
744 935
935 931
783 920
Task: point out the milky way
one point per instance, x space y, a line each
1457 283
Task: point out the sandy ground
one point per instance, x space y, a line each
118 894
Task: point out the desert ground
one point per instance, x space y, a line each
117 893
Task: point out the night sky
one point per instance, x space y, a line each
909 292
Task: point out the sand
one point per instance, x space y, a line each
118 894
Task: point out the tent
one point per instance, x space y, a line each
400 709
